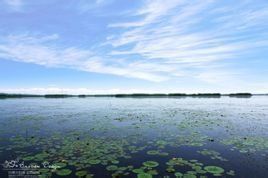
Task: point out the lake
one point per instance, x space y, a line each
134 137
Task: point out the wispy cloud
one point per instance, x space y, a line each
14 4
158 41
42 50
188 33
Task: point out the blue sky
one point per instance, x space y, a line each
123 46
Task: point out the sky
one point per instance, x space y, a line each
126 46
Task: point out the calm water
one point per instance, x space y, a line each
128 137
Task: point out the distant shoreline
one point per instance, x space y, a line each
134 95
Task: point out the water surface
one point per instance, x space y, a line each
136 137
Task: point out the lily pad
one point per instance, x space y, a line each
138 171
189 176
152 172
150 164
152 152
60 165
63 172
112 168
144 175
178 174
214 169
81 173
94 161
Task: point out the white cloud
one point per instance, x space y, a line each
168 39
14 4
42 50
184 34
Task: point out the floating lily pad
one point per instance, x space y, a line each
189 176
214 169
150 164
178 174
60 165
152 152
81 173
138 171
114 161
63 172
144 175
112 168
152 172
28 158
170 169
94 161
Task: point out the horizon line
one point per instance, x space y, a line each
122 95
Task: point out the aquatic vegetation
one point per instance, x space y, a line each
189 176
178 174
150 164
28 158
81 173
153 152
212 154
60 165
214 169
158 140
112 168
248 144
63 172
170 169
144 175
193 139
137 171
152 172
194 168
94 161
157 152
114 161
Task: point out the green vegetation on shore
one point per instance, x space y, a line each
59 96
5 95
241 95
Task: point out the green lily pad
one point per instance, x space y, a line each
81 173
152 172
150 164
114 161
178 174
152 152
170 169
214 169
112 168
144 175
28 158
60 165
63 172
138 171
189 176
94 161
